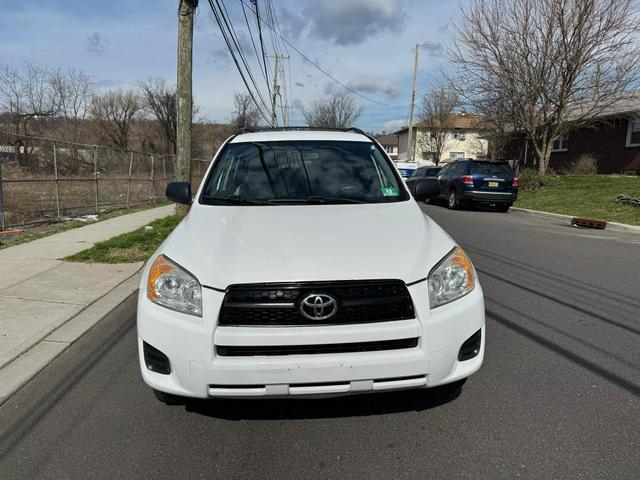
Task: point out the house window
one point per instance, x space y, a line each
428 156
457 155
459 135
561 144
633 134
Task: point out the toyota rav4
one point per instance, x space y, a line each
304 268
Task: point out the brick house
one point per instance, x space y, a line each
613 138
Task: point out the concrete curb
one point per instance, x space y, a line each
23 368
614 226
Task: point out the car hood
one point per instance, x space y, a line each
226 245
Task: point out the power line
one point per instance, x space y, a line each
218 13
288 92
287 42
227 20
264 54
265 74
228 31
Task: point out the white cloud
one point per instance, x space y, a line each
393 125
375 85
349 22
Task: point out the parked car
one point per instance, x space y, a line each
421 172
478 182
284 278
406 169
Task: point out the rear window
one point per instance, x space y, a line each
491 168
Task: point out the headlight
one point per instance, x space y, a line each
173 287
451 279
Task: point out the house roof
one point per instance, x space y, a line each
628 106
463 121
387 139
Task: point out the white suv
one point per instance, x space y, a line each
304 267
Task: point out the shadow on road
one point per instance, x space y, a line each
593 367
464 208
347 406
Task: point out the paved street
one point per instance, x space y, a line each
558 396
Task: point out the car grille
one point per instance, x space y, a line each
252 351
279 303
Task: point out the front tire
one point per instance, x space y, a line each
452 201
453 388
168 398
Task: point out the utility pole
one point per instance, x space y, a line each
410 149
275 91
186 10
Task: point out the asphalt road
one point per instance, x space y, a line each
558 396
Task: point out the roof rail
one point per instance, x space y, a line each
297 128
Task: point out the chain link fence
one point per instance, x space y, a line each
43 179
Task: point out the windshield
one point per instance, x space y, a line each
289 172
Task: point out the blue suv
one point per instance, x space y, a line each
478 182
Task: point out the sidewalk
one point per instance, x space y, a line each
39 293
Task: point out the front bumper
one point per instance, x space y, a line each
197 371
490 197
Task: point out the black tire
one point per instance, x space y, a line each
168 398
455 387
504 207
452 200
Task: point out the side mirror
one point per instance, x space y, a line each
179 192
427 188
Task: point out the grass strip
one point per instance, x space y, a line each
591 196
135 246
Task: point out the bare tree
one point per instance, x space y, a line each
337 110
159 100
27 94
245 113
499 129
75 91
114 112
554 64
436 117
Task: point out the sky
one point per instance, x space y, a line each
366 44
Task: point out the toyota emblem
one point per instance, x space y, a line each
318 306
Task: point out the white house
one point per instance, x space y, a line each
464 139
390 144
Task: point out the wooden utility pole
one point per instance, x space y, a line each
410 149
184 94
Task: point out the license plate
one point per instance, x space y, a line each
493 184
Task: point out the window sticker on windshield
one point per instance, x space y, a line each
389 192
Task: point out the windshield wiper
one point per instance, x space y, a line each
316 199
234 200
